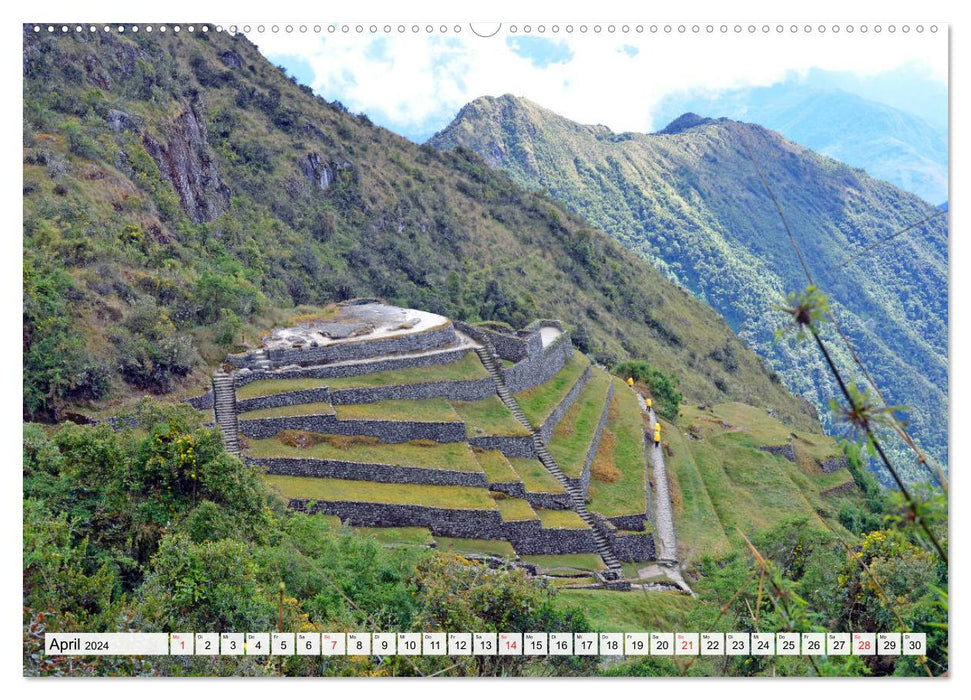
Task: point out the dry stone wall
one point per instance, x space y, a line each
540 367
353 350
385 430
460 390
368 471
245 376
289 398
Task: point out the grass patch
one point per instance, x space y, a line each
469 367
562 563
496 548
617 485
268 387
634 611
301 409
455 456
422 411
451 497
560 519
574 434
488 417
496 467
538 403
514 509
332 520
399 535
535 477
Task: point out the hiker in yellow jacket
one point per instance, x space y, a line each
657 434
630 381
649 404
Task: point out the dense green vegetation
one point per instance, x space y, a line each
690 201
181 196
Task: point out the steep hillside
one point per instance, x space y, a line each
181 195
888 143
690 201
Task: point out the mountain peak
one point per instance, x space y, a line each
688 120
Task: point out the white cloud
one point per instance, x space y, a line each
421 81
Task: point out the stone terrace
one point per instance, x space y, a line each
402 421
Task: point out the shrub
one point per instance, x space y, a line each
663 388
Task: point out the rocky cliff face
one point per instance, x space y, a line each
319 172
187 162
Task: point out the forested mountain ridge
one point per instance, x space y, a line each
689 199
181 194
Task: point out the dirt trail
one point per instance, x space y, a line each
665 538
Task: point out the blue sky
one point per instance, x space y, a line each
414 84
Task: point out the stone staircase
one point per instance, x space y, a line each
604 549
261 360
224 408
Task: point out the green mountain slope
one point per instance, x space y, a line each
690 201
889 143
181 194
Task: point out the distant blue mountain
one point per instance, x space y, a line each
889 143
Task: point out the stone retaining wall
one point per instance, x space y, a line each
634 547
526 537
833 464
512 488
245 376
786 451
289 398
508 347
363 349
459 390
385 430
549 501
553 541
366 471
845 487
540 367
549 425
475 524
510 446
201 403
629 522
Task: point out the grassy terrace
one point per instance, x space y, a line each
454 456
534 476
558 563
399 535
515 509
488 417
267 387
422 410
560 519
468 367
610 611
721 482
451 497
538 403
496 467
572 437
617 484
497 548
302 409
